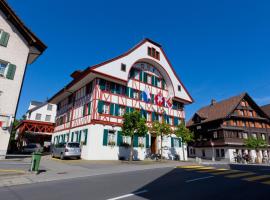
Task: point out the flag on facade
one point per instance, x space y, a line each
159 99
169 102
146 95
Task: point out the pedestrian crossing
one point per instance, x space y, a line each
228 173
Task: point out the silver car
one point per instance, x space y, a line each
66 150
32 147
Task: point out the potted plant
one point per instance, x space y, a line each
111 143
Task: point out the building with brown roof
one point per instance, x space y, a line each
266 109
221 128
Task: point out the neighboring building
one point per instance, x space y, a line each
18 47
221 127
38 125
91 106
266 109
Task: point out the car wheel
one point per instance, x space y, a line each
62 156
79 157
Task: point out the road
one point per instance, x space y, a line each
166 183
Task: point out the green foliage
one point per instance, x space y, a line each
160 129
134 124
184 133
255 143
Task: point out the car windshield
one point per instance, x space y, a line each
74 145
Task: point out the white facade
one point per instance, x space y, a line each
14 56
116 87
44 112
229 155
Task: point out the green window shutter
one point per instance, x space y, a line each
117 89
84 106
172 142
153 80
163 84
131 92
180 142
175 121
127 91
135 141
100 106
116 112
112 109
4 38
127 109
11 71
152 98
131 109
105 137
85 136
119 138
141 75
102 84
72 136
153 116
112 86
80 136
156 81
89 108
145 78
132 73
147 137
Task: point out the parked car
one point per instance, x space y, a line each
66 150
32 147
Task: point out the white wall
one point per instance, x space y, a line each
16 53
43 111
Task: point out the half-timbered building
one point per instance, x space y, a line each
91 106
222 127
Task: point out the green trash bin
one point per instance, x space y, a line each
36 157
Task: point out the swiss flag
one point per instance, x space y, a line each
159 99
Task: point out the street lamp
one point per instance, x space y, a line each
213 150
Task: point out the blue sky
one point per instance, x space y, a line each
218 48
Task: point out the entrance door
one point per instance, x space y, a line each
153 144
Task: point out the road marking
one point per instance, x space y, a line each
128 195
197 179
255 178
226 172
212 170
240 175
12 170
266 182
190 166
199 168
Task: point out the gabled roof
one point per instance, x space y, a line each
266 109
79 75
28 35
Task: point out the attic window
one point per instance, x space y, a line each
153 53
179 88
123 67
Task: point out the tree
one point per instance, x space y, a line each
256 144
185 134
134 124
161 129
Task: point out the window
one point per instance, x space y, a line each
215 135
148 116
254 135
179 88
106 108
176 142
263 136
203 153
121 110
3 67
123 67
49 107
48 118
126 139
217 153
250 113
245 135
159 82
170 120
153 53
84 138
38 116
243 103
111 138
252 124
4 37
136 95
222 152
241 112
149 79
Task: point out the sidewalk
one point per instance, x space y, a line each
53 169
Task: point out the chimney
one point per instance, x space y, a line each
213 102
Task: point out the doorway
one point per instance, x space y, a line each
153 144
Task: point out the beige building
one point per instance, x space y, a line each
18 48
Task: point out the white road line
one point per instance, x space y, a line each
128 195
197 179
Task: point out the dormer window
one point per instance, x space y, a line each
153 53
179 88
123 67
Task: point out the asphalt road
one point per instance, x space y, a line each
166 183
